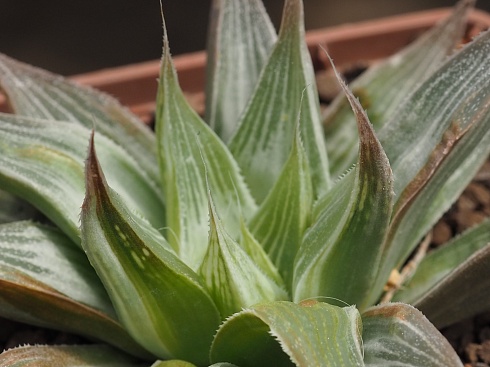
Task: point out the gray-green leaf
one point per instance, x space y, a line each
462 293
340 253
286 88
47 281
281 220
288 334
438 264
189 151
67 356
153 291
384 86
397 334
42 161
240 39
437 145
39 94
233 279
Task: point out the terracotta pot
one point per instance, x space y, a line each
135 85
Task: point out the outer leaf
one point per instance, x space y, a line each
311 334
37 93
263 140
341 252
177 363
233 279
461 294
160 301
439 264
399 335
439 158
188 151
383 87
240 38
46 281
441 109
13 209
173 363
284 215
42 161
66 356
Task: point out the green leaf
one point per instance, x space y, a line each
399 335
438 113
189 151
438 264
284 215
256 252
173 363
240 39
177 363
45 254
449 139
288 334
384 86
233 279
13 209
340 253
66 356
463 293
160 301
42 162
39 94
286 87
46 281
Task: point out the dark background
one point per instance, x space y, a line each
76 36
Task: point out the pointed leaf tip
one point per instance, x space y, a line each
186 162
233 278
292 17
386 85
240 39
133 260
352 237
262 142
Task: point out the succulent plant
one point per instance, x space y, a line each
269 240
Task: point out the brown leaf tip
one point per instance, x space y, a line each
94 177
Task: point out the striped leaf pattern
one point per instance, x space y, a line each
43 162
311 334
438 156
67 356
240 39
350 229
284 215
232 277
46 281
39 94
399 335
149 286
384 86
190 151
284 91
